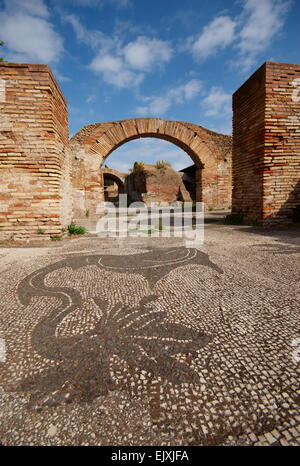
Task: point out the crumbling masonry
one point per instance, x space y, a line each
47 180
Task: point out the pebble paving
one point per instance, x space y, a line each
145 342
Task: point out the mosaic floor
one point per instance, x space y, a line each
139 342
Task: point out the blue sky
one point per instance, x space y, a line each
174 59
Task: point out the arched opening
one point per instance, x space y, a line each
152 170
113 185
206 149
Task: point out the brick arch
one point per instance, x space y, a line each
103 138
206 148
116 176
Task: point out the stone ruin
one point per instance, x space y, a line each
156 184
146 183
94 143
47 180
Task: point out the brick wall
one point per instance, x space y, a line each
266 145
87 186
281 177
34 153
95 142
36 161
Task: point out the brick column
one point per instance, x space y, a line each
266 145
248 146
281 182
35 185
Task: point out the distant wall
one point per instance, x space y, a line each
156 185
34 153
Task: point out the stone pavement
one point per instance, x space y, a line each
144 342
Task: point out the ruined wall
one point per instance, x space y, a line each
209 150
266 145
34 153
281 183
87 186
156 185
114 184
214 181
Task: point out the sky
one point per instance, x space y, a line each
173 59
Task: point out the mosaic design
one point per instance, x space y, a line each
161 346
138 335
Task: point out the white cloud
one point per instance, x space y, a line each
32 7
107 63
119 64
263 20
27 34
159 105
101 3
251 32
125 66
121 3
217 103
114 71
186 91
31 39
216 35
144 53
91 38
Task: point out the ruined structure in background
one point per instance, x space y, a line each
189 180
153 184
46 180
113 183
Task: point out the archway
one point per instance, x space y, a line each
210 152
113 184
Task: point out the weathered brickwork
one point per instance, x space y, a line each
118 177
266 145
94 143
42 176
112 192
34 153
153 184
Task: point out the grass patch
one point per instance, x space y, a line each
162 164
40 231
74 229
55 238
148 232
138 167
